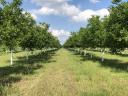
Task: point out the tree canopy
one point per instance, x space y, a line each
108 32
18 28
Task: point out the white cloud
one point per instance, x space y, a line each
56 7
102 12
94 1
48 2
44 11
58 33
62 35
62 7
86 14
69 10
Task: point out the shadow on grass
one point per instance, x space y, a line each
123 55
119 54
23 66
115 64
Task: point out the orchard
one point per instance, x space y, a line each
35 61
19 29
110 32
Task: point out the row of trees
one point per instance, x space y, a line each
18 28
109 32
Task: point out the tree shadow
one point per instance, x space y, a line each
23 66
122 55
115 64
119 54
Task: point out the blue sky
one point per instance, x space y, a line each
65 16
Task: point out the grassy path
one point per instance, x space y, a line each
69 75
64 74
57 79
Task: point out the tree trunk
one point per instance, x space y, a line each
102 59
85 53
91 56
27 53
6 51
11 59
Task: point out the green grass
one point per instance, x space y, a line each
69 74
116 62
22 68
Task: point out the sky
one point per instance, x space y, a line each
65 16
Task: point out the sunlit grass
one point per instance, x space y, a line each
21 69
69 74
97 80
